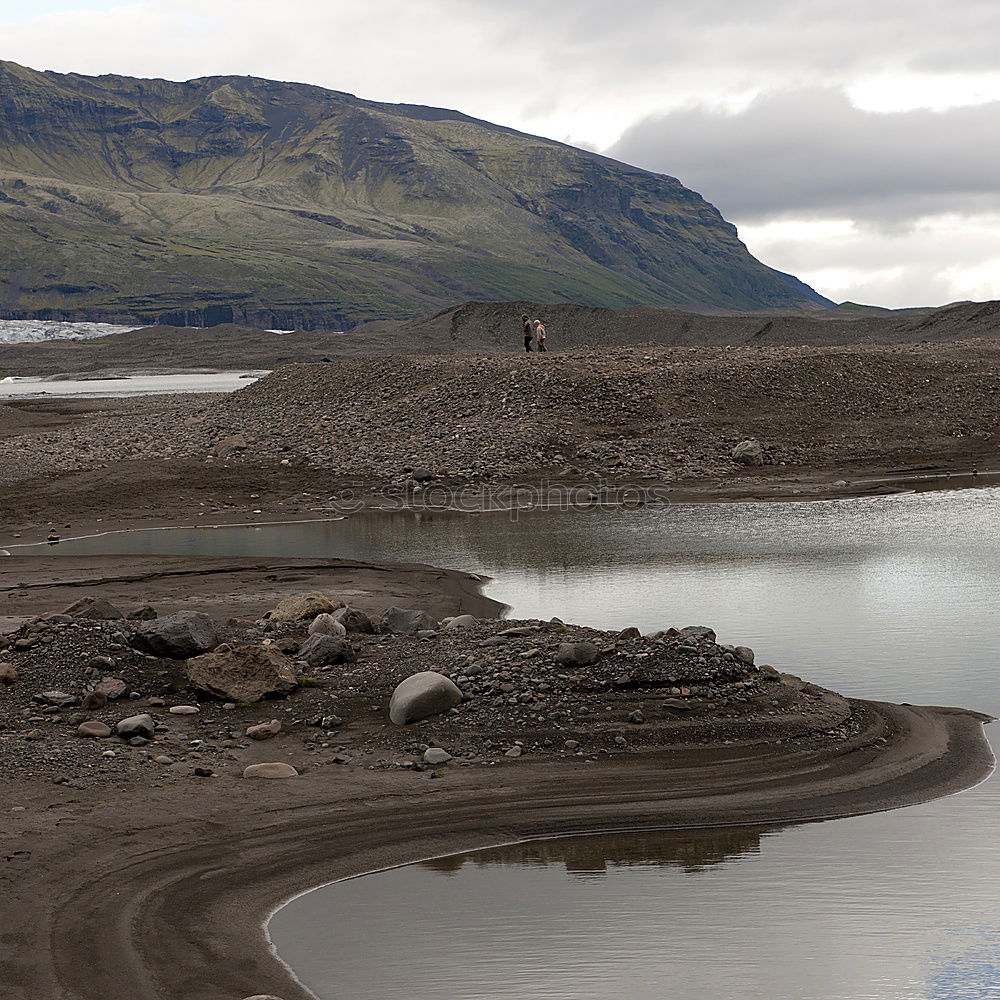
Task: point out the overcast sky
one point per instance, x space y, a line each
856 143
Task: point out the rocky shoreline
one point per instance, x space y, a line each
138 735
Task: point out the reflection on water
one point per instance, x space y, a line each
889 597
691 852
895 906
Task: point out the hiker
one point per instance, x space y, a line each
529 332
540 334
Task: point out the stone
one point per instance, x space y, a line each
744 654
514 752
111 687
326 650
302 606
636 717
203 772
184 710
264 730
422 695
262 996
141 726
60 699
702 632
8 673
326 624
748 452
246 673
228 447
163 759
144 614
275 769
354 620
93 701
177 637
435 755
93 729
403 621
577 654
94 607
630 633
571 745
460 621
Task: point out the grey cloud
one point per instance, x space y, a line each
810 153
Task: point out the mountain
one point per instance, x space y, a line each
280 204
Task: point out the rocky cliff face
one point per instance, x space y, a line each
237 199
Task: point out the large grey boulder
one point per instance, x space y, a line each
326 624
702 632
326 650
460 621
748 453
577 654
421 696
246 673
136 725
96 608
177 637
303 606
354 620
403 621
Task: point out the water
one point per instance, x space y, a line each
890 597
133 385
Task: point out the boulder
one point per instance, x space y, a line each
354 620
403 621
93 729
421 696
748 453
264 730
326 624
246 673
435 755
111 687
303 606
177 637
696 632
8 673
461 621
141 726
325 650
577 654
630 633
744 654
58 698
94 700
144 614
228 447
93 607
275 769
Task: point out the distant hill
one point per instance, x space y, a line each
484 328
280 204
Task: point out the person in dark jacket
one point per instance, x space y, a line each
529 332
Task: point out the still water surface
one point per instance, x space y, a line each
891 598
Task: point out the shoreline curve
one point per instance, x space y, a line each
166 893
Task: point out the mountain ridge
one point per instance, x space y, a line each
231 198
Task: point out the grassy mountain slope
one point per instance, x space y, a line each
238 198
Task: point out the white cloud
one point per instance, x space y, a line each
939 259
